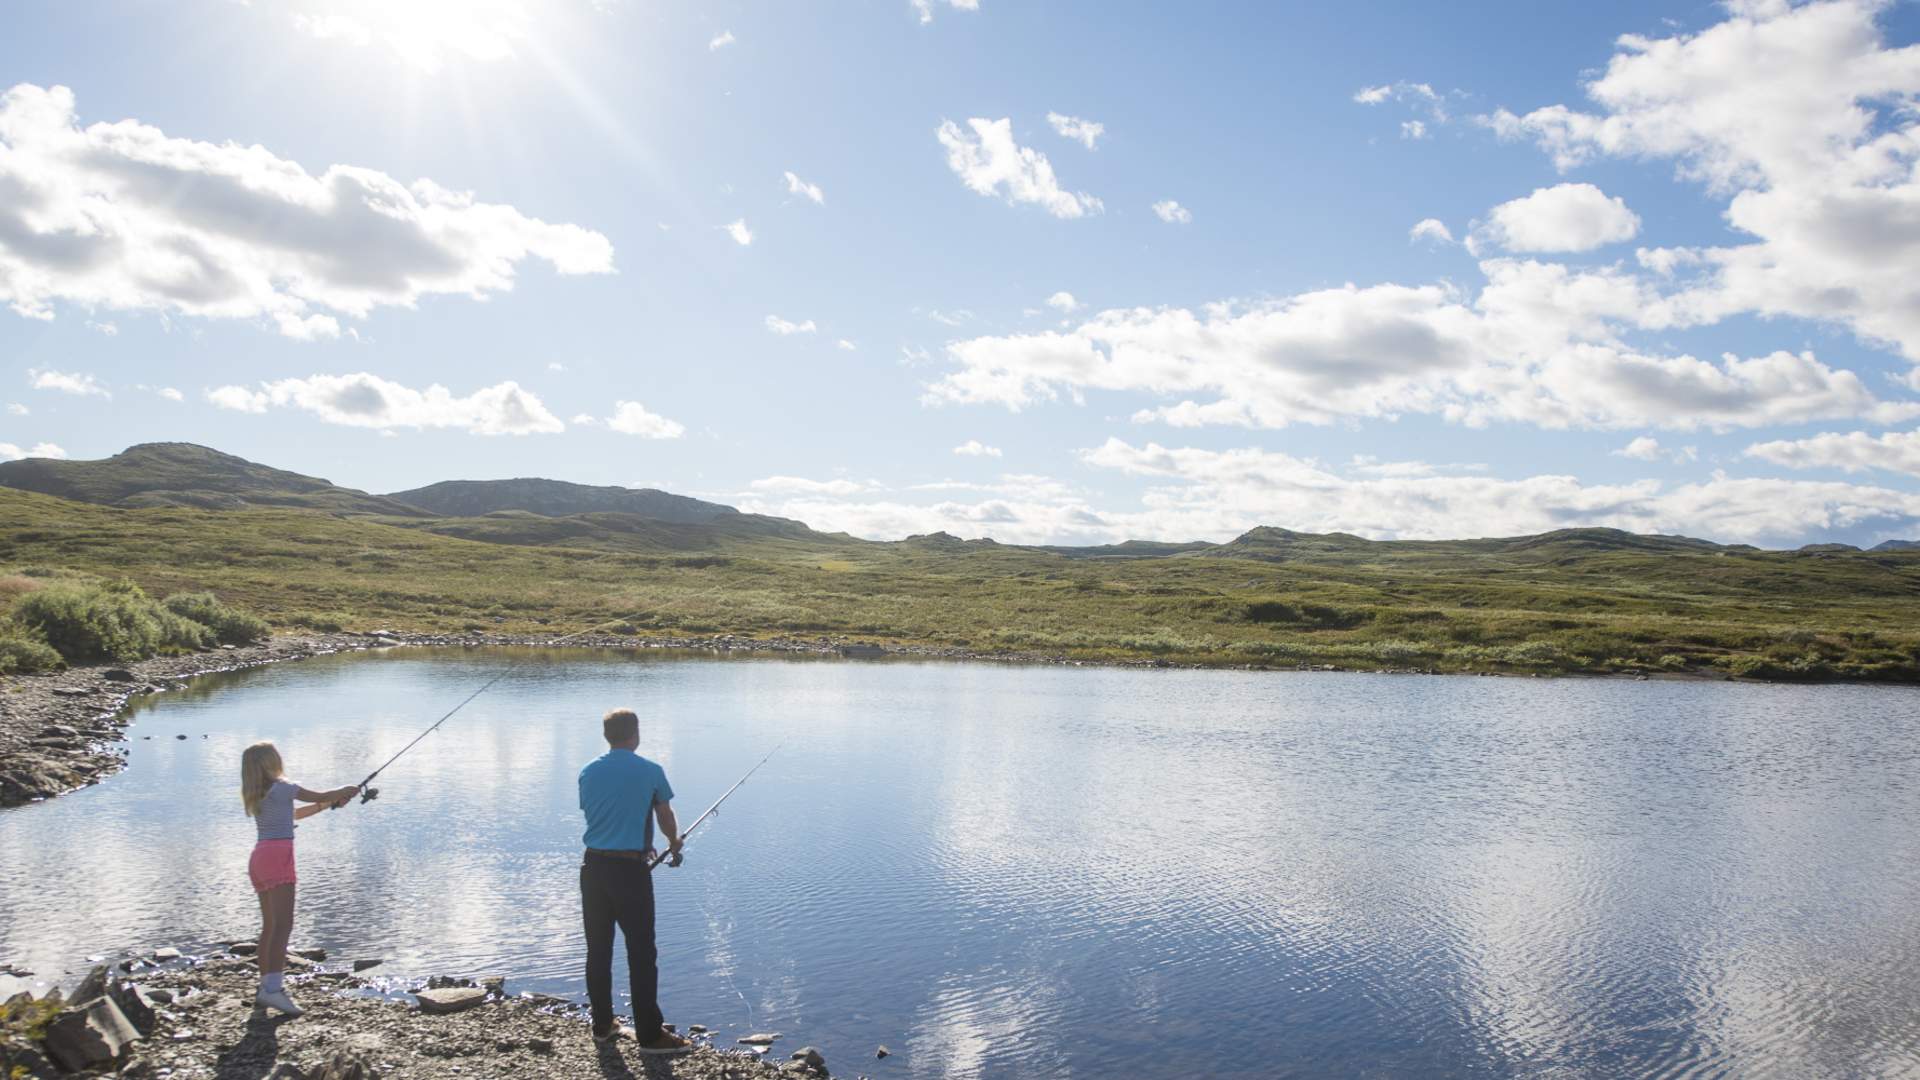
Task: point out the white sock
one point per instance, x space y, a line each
270 982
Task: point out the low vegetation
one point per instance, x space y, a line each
58 617
1582 601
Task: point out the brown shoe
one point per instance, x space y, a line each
666 1043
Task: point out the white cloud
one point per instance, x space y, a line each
121 216
66 382
1432 229
1413 129
365 400
739 231
14 408
556 366
782 327
1084 132
427 36
1856 451
1644 448
797 186
1173 213
950 318
171 394
632 418
1537 346
846 345
10 452
1063 301
925 7
1803 117
991 163
106 328
1565 217
1400 91
720 41
792 485
1213 494
976 448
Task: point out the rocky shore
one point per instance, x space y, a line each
185 1018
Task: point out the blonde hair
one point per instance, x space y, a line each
259 768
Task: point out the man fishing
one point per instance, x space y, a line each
622 794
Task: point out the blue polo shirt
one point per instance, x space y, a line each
617 793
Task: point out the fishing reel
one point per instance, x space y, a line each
368 794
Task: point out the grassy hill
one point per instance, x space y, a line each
557 498
1580 601
183 474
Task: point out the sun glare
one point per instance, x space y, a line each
426 34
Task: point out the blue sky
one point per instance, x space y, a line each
1663 287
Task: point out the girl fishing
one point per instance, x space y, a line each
269 799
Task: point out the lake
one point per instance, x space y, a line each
1027 870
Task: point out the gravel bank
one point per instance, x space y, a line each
203 1026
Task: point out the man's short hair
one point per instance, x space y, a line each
620 725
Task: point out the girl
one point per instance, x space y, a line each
269 801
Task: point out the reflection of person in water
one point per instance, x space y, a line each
621 794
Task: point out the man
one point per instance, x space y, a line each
621 794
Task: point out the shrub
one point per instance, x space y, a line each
21 653
115 621
229 626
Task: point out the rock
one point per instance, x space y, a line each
540 1046
764 1039
182 738
451 999
344 1065
117 674
134 1005
161 995
696 1029
362 965
882 1052
58 731
161 956
296 962
90 1035
72 691
811 1055
315 955
243 948
495 985
94 985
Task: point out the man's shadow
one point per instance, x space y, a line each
613 1065
255 1055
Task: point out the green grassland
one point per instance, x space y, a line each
1576 601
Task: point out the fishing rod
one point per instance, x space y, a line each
368 794
661 856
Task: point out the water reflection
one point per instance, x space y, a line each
1026 870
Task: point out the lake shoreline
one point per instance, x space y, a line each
66 730
196 1017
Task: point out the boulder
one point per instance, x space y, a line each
882 1052
89 1035
811 1056
92 986
451 999
161 956
762 1039
117 674
315 955
362 965
134 1005
243 948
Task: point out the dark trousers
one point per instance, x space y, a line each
620 891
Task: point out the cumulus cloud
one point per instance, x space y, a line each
1855 451
797 186
1084 132
1565 217
1172 212
976 448
10 452
632 418
171 394
365 400
1536 346
782 327
989 162
1413 129
1644 448
1063 301
65 382
1430 229
1804 118
739 231
1214 494
720 41
925 7
122 216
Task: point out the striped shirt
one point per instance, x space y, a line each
274 818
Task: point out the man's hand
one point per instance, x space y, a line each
674 856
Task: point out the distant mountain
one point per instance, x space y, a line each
1272 544
183 474
557 498
1897 545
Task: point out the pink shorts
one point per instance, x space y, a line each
271 865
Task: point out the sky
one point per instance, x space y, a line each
1046 272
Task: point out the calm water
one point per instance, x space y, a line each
1022 871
